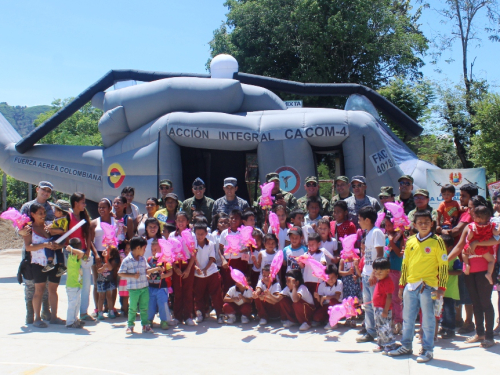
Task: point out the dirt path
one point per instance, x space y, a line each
8 237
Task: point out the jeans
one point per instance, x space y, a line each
412 302
369 314
449 313
57 254
138 297
74 299
158 302
480 293
86 281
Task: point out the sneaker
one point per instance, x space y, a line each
448 334
231 319
362 331
189 322
220 319
262 322
378 349
129 330
315 324
244 319
147 329
199 316
61 270
100 316
304 327
328 327
163 325
49 267
287 324
75 324
95 313
425 357
399 351
111 314
365 338
173 322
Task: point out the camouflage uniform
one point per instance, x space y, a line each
289 198
223 205
409 205
324 205
434 213
206 206
337 198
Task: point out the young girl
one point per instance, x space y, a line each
342 226
282 235
327 242
481 230
266 256
311 281
58 227
106 281
351 274
296 302
125 224
313 208
152 234
266 299
124 248
255 271
220 223
152 206
238 301
329 294
183 277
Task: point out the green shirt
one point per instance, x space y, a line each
74 278
206 205
452 284
408 205
434 214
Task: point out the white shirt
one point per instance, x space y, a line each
266 258
149 253
329 291
282 237
307 270
275 288
215 238
309 221
179 238
234 292
374 238
203 257
302 291
330 246
223 242
255 253
306 230
135 211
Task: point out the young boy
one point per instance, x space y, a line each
74 283
374 248
449 210
295 249
424 275
310 281
313 208
382 303
297 220
135 269
452 293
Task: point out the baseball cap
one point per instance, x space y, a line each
172 195
62 205
45 184
230 181
311 179
341 178
166 182
272 177
198 182
406 177
295 230
386 191
422 192
361 179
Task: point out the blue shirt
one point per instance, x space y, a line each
132 266
396 262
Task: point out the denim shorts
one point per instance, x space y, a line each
105 286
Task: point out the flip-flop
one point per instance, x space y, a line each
487 344
58 321
87 317
474 339
40 324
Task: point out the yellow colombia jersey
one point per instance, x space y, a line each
425 261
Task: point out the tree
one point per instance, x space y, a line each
466 18
360 41
485 150
79 129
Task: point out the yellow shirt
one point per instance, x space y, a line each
425 261
61 223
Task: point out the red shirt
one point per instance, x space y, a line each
342 230
78 233
382 287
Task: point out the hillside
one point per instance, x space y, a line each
22 118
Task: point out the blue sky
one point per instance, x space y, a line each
56 49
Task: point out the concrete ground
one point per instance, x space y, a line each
103 348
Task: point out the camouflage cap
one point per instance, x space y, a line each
273 176
311 179
63 205
406 177
166 182
342 178
422 192
386 191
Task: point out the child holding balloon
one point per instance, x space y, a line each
266 256
266 296
282 233
311 281
329 294
327 242
255 271
296 302
238 301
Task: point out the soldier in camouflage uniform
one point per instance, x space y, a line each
342 187
281 198
312 189
199 202
386 195
421 198
405 193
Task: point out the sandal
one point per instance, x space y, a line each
57 321
87 317
487 344
40 324
474 339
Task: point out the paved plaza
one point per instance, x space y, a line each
210 348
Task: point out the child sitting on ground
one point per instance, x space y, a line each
266 296
74 283
329 294
58 227
238 301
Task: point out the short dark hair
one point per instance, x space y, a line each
313 199
296 212
341 204
128 189
448 240
246 214
479 200
200 226
424 213
381 264
271 236
75 243
470 189
368 212
448 187
267 268
235 212
314 237
137 242
296 274
332 268
482 212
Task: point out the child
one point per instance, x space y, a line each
158 290
374 248
266 256
107 281
350 272
329 294
452 293
221 223
481 230
248 218
311 281
183 277
342 226
152 234
382 304
327 242
394 242
282 234
74 283
296 302
424 275
207 278
58 227
313 208
294 250
255 271
266 299
449 210
124 248
135 269
238 301
297 220
167 229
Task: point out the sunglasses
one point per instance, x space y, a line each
404 183
382 198
163 187
198 187
419 197
357 186
150 204
311 184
